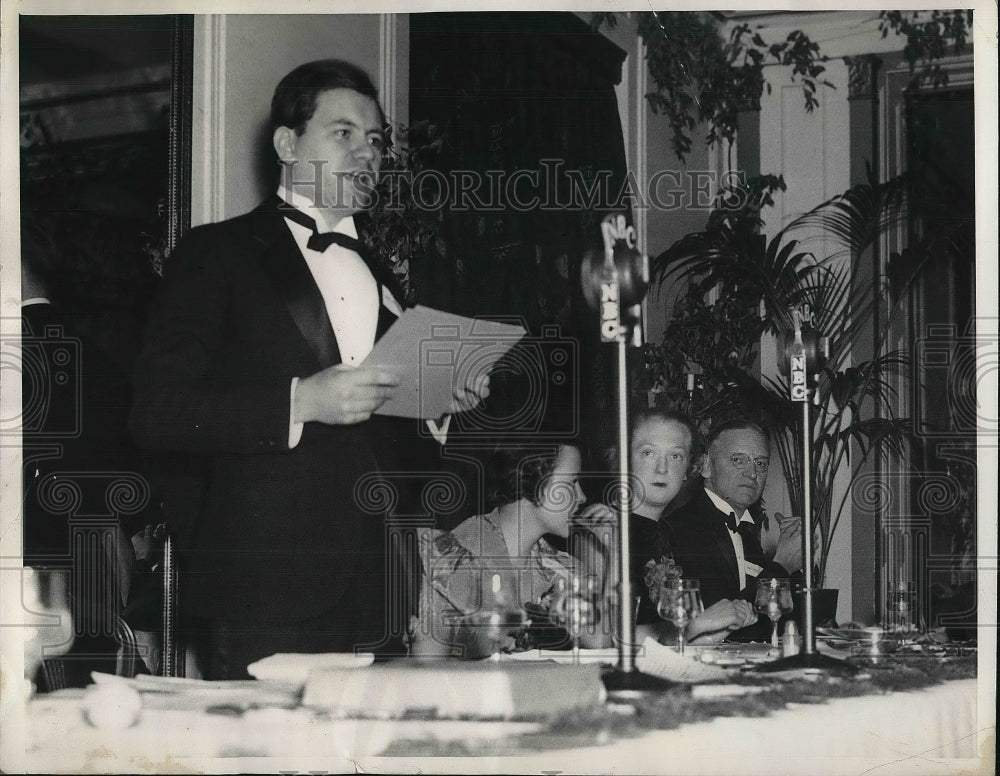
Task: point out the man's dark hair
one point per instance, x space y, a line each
294 101
735 424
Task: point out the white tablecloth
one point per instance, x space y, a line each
932 731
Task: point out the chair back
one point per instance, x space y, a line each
129 656
172 663
54 673
127 660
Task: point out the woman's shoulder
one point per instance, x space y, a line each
479 535
462 546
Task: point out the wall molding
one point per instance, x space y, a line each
861 76
394 67
641 142
839 33
387 37
209 131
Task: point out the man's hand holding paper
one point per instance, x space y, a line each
468 396
443 361
342 395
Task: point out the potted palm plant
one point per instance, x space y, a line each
742 286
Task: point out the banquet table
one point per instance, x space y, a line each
934 730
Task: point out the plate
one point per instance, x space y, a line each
167 692
844 634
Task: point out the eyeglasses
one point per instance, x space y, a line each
742 461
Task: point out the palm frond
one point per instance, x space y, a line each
696 254
856 218
884 435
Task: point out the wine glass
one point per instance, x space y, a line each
680 602
574 608
498 618
901 610
774 598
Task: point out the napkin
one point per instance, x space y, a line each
561 656
294 668
662 661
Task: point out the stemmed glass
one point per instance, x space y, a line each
774 598
680 602
499 619
901 607
574 608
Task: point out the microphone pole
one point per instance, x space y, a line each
614 283
804 353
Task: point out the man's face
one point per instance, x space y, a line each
338 153
660 461
739 485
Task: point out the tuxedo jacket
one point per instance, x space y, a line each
268 534
700 543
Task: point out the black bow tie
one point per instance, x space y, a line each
737 526
320 241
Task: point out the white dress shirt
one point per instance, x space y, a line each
744 566
350 295
350 292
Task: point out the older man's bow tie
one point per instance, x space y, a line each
320 241
737 526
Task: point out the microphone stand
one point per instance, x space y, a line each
798 369
611 293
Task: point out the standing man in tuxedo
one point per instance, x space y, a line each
713 537
251 371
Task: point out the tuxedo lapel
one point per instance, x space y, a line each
720 538
752 549
294 283
379 268
385 319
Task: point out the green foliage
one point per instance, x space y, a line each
701 76
930 36
398 229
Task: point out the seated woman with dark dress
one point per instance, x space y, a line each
664 445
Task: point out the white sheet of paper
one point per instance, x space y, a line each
433 351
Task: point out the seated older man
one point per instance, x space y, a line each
713 537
